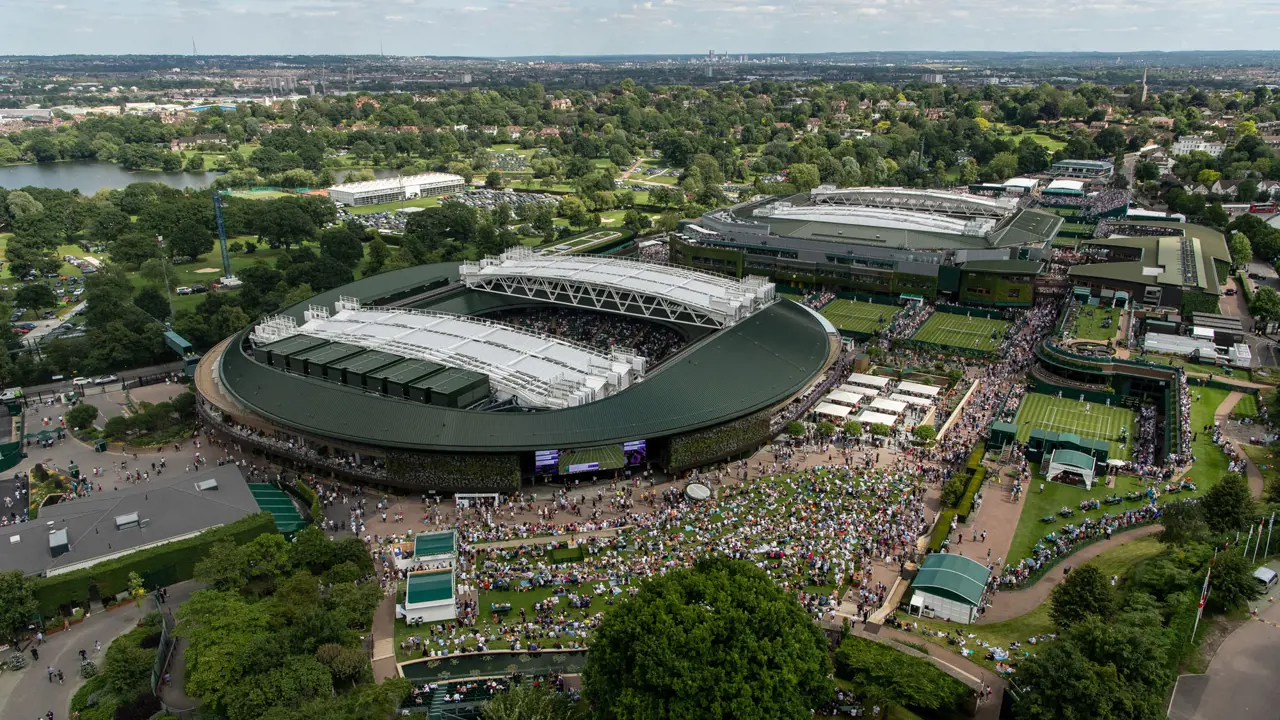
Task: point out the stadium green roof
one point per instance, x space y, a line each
429 586
952 576
1162 261
748 367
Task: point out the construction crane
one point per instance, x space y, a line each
229 280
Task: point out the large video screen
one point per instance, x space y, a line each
582 467
635 452
547 461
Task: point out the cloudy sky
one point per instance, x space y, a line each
584 27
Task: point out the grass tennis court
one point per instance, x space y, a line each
608 457
961 331
859 317
1089 323
1090 420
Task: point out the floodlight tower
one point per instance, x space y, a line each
229 280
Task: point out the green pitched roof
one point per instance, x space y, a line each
430 586
435 543
952 576
1073 458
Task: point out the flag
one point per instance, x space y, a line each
1204 592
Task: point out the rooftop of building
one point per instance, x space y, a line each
166 508
952 576
431 178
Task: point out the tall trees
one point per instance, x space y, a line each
883 676
17 605
1228 505
1085 592
708 642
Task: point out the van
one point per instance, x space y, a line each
184 290
1266 577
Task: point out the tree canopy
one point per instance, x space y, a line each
718 640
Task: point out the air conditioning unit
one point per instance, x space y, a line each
926 613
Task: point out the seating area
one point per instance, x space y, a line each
275 501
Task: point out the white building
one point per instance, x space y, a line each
374 192
1192 143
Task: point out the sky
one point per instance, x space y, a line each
497 28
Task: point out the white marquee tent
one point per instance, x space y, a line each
894 407
911 400
918 389
843 398
836 411
866 417
868 380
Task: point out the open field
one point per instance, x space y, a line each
970 333
1090 420
1088 324
860 317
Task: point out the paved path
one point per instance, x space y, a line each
1014 603
951 663
1251 471
31 694
384 639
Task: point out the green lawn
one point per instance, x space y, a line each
1090 420
1089 321
432 201
1210 465
1264 459
970 333
1247 407
1117 561
860 317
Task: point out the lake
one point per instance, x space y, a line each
89 176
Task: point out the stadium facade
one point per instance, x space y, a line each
399 379
408 187
893 241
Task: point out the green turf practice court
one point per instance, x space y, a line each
429 586
1089 420
962 331
858 317
436 543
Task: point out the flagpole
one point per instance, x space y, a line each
1259 543
1269 529
1246 542
1204 595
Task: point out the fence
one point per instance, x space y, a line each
165 649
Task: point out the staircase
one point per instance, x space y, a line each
280 505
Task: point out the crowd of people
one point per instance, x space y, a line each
1095 204
1065 541
903 325
602 331
1107 228
818 300
655 253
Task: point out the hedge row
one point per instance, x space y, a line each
304 493
942 530
163 565
1245 287
975 457
975 484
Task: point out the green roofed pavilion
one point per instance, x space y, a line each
430 586
435 544
950 586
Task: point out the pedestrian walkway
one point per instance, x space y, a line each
1220 416
384 639
961 668
1015 603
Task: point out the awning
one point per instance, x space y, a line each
890 406
868 380
836 411
918 389
868 417
843 398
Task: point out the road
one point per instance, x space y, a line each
35 391
1240 683
28 693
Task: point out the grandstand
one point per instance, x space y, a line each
889 241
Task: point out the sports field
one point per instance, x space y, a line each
859 317
961 331
1090 420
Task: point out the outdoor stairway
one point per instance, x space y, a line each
280 505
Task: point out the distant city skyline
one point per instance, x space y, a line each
489 28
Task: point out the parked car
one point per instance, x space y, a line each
80 381
184 290
26 325
107 379
1231 291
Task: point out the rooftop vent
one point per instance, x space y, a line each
124 522
58 543
210 484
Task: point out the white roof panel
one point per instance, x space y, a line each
911 400
868 380
891 406
836 411
855 390
918 389
844 398
541 371
870 418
